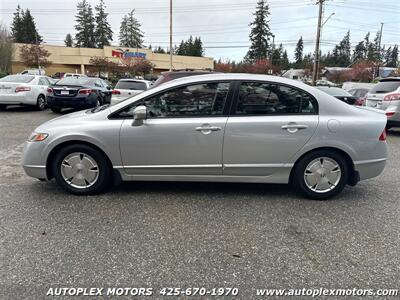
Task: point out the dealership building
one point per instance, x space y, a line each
77 60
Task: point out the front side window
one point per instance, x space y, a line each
205 99
259 98
198 100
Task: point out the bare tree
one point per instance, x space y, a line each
6 50
35 56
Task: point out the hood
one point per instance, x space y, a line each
72 119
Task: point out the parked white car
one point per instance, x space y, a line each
33 72
24 90
127 88
75 75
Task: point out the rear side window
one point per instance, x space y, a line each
17 78
131 85
258 98
385 87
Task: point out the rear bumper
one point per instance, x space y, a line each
64 102
370 169
18 99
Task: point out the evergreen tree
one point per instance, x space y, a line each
68 40
285 61
197 47
359 52
372 49
84 27
276 57
191 47
345 51
17 27
30 34
23 28
159 50
393 58
260 34
103 32
130 34
298 53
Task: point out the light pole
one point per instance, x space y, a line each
170 35
316 59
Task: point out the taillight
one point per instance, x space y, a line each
116 92
392 97
50 90
390 113
22 89
85 91
383 135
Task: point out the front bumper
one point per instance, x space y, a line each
33 162
64 102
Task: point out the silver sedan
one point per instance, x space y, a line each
220 128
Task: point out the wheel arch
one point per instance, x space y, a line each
57 148
344 154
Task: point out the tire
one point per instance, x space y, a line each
89 169
56 110
3 107
318 183
41 103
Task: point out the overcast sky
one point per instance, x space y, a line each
224 24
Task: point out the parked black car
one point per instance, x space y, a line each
339 93
78 93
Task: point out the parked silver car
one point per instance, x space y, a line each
386 96
24 90
220 127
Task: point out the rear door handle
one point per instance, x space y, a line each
292 128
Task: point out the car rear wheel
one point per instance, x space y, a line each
321 175
82 170
41 102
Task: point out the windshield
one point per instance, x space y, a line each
334 91
17 78
131 85
76 81
385 87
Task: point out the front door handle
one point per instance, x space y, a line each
293 127
207 129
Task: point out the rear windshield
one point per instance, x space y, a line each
76 81
131 85
17 78
385 87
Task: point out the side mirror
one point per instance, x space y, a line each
108 87
139 115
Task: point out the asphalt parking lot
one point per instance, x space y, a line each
191 234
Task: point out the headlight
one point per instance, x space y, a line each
37 137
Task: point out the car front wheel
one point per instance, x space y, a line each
321 175
82 170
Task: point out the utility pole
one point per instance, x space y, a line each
379 50
170 35
316 57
